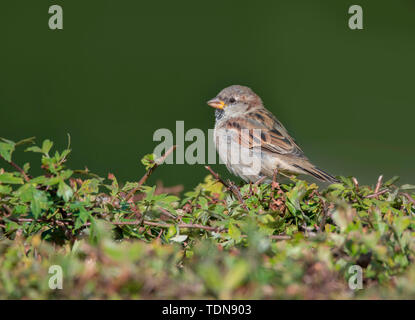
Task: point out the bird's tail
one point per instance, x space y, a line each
317 173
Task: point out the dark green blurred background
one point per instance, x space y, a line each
122 69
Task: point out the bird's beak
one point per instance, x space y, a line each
216 103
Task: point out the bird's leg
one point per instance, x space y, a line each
277 204
235 190
260 180
274 183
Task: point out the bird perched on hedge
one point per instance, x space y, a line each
252 142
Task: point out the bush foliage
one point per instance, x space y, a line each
265 241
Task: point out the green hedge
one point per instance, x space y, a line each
264 241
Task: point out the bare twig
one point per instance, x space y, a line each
408 196
167 214
325 214
324 209
137 212
217 177
160 188
158 162
167 225
25 176
379 184
197 226
160 225
9 211
160 233
236 191
356 183
57 222
374 195
280 237
377 192
231 187
274 237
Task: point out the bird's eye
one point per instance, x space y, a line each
232 100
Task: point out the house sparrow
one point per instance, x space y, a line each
252 143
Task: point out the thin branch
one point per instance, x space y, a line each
408 196
137 212
25 176
167 214
379 184
196 226
160 225
160 233
374 195
166 225
356 183
58 222
236 191
217 177
274 237
9 211
231 188
158 162
280 237
324 208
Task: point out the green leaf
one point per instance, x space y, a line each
5 189
46 146
64 154
236 275
8 177
401 223
407 187
179 238
82 217
148 161
234 232
34 149
296 195
89 186
65 191
25 141
38 199
171 231
6 149
96 230
66 174
39 202
391 181
26 167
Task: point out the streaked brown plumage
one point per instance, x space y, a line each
241 119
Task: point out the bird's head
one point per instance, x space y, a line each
235 99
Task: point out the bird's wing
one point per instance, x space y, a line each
271 136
